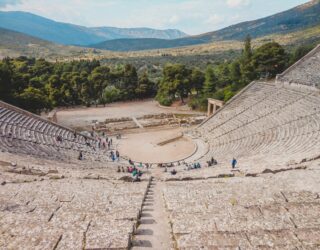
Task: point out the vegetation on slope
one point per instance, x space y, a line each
36 84
223 80
15 44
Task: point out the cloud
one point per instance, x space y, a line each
237 3
4 3
214 20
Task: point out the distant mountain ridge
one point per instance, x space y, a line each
70 34
298 18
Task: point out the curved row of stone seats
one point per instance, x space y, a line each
70 214
270 212
284 125
23 132
252 96
305 72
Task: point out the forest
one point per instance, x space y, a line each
37 85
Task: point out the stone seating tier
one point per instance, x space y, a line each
266 122
23 132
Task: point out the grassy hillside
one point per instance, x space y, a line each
296 19
14 44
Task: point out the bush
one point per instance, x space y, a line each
164 100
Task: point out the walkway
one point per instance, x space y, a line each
154 231
202 150
137 122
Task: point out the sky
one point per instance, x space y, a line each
191 16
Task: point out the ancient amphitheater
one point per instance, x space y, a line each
271 200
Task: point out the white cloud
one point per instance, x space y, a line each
237 3
4 3
214 20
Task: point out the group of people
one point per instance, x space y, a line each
114 155
191 166
212 162
136 173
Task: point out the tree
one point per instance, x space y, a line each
33 99
246 67
235 71
300 52
6 85
197 80
210 82
270 59
111 94
176 81
145 86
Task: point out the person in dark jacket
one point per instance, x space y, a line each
234 163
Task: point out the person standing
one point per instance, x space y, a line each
118 155
234 163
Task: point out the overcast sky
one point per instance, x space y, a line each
190 16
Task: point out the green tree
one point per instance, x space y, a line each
6 85
145 86
300 52
111 94
210 82
33 99
176 81
270 59
197 80
246 67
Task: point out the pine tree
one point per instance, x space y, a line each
210 82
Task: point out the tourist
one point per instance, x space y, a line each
80 157
118 171
234 163
136 174
173 172
118 155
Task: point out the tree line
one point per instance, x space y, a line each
223 80
36 84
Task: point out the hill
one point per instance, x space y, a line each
15 44
70 34
299 18
143 44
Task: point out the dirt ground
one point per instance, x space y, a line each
80 117
143 147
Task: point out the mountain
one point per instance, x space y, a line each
70 34
15 44
121 33
143 44
299 18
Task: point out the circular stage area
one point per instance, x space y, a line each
163 146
